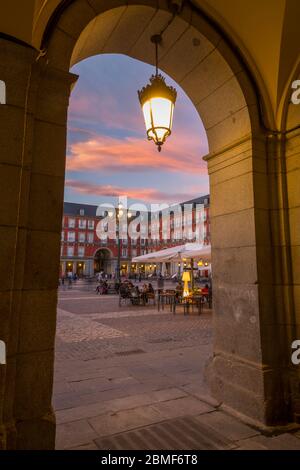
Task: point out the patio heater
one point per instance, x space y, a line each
186 277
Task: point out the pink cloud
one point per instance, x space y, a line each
135 154
144 194
94 108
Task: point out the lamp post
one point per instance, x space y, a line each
119 214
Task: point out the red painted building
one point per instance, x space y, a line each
85 253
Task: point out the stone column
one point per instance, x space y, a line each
33 137
16 127
292 287
90 267
245 370
64 268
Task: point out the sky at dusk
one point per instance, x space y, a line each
108 154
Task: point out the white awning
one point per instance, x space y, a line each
177 253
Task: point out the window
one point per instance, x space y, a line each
124 252
81 212
81 251
70 251
91 224
71 236
90 238
142 241
62 236
133 252
71 223
82 223
81 237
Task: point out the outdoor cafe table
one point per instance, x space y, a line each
165 298
189 303
174 301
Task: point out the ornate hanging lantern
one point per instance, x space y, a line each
157 100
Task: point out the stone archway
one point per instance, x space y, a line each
103 261
245 370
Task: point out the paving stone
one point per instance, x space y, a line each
250 444
182 407
282 442
286 441
120 421
227 425
89 446
74 434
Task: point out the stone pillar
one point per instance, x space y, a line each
245 372
292 287
33 137
91 267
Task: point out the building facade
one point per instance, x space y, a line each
85 252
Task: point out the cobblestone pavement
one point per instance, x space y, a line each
132 377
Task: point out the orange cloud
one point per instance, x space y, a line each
135 154
144 194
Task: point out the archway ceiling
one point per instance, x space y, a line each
202 72
266 33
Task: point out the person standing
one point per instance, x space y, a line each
160 283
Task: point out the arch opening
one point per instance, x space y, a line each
244 373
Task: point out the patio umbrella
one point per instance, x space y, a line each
193 251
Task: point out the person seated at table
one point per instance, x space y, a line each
117 286
144 294
98 287
102 288
135 295
178 290
150 288
205 292
124 291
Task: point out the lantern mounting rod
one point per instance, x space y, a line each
175 7
156 39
